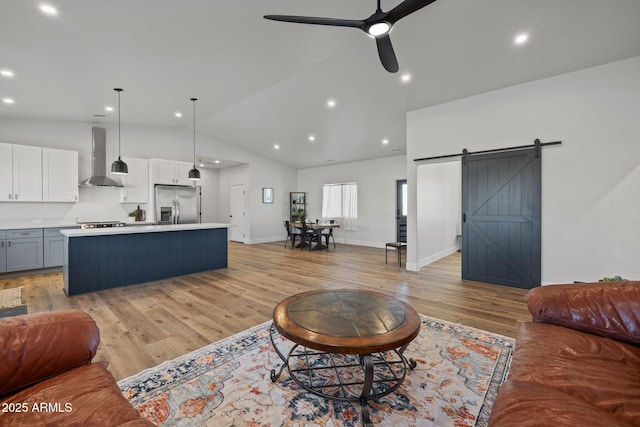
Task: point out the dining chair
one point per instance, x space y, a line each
308 236
328 234
292 233
399 245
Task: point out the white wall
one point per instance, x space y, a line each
209 184
267 218
590 183
438 210
376 196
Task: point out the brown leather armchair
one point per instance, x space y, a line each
47 378
578 362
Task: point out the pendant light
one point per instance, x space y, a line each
194 174
119 167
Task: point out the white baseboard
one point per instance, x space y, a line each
266 240
435 257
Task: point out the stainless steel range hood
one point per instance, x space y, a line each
98 176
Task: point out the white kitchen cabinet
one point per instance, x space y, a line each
21 176
6 172
27 173
170 172
182 171
136 182
59 175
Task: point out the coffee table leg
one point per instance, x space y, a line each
410 362
274 375
367 362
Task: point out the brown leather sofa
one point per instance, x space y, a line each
47 378
578 362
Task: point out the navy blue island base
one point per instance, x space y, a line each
105 261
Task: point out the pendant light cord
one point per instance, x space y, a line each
119 148
194 131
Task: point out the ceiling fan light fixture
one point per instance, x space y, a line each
379 29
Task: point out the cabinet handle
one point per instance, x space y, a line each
2 244
75 198
10 196
9 243
16 196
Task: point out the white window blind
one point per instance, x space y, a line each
341 201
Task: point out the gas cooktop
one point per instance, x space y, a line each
101 224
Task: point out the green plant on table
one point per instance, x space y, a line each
613 279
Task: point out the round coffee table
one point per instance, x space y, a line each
348 344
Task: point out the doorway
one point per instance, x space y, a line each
236 213
401 210
501 211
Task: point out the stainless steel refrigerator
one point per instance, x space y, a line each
176 204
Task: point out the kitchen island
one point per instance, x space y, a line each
105 258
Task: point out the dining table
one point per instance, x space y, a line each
318 228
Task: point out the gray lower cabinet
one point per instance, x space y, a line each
3 251
53 247
24 249
30 249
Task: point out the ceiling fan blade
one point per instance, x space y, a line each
405 8
386 53
354 23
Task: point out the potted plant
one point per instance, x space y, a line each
613 279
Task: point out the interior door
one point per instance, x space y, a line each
501 195
236 213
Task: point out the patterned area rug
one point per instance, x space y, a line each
228 384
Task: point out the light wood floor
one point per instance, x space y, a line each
144 325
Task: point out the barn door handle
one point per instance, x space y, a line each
464 217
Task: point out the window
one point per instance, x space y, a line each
341 201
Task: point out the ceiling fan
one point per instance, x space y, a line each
377 25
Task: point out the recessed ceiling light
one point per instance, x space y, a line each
108 108
385 141
201 165
331 103
217 162
178 114
405 78
521 38
6 73
312 138
8 100
47 9
276 147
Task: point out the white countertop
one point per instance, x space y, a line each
44 223
133 229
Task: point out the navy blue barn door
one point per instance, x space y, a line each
501 195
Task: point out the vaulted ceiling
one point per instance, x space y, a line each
262 83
